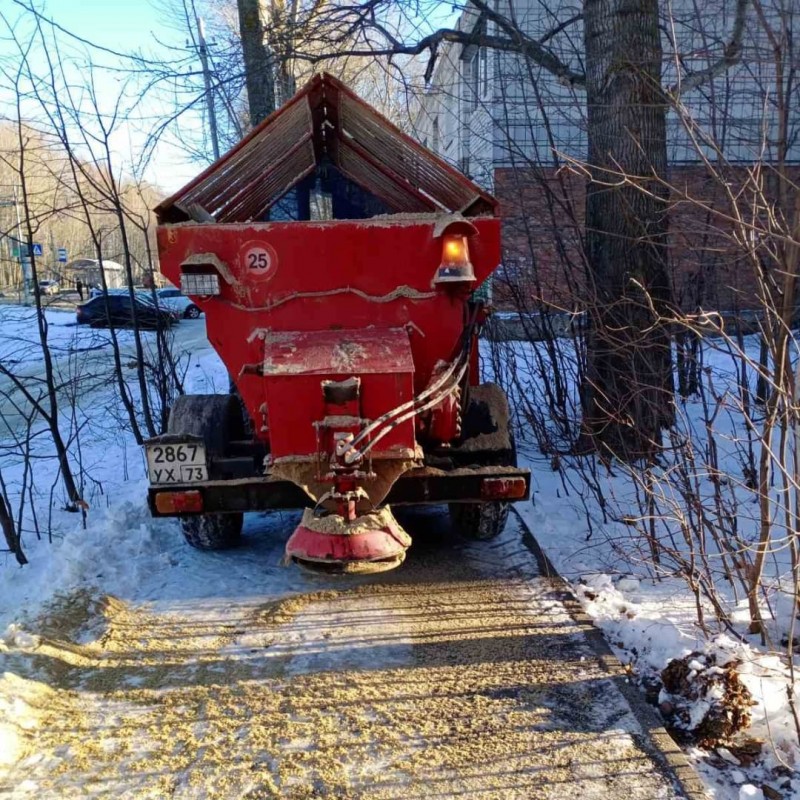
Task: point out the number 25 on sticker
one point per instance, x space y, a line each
258 259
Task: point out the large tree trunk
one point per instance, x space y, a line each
629 385
259 65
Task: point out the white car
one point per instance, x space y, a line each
49 287
171 298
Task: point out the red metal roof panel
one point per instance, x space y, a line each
324 120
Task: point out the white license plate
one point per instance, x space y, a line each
176 463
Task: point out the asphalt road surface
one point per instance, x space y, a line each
459 675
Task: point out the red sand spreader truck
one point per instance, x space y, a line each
336 261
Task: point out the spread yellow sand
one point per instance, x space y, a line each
451 677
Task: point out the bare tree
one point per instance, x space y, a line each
8 526
49 405
618 67
259 64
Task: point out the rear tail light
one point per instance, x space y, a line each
186 502
503 488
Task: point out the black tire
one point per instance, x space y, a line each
192 312
486 422
479 521
216 418
213 531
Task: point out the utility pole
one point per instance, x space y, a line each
53 255
212 114
24 257
23 254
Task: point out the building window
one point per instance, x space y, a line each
476 71
474 79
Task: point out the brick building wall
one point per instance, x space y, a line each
543 258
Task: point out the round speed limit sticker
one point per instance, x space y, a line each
258 260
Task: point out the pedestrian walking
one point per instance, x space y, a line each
79 287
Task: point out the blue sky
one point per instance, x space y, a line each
124 26
117 24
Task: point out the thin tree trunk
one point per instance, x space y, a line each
782 394
10 533
51 417
630 383
259 65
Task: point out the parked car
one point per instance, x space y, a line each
48 287
172 298
120 311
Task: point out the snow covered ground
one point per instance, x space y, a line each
461 674
649 622
122 552
648 614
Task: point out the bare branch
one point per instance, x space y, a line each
531 48
731 55
363 20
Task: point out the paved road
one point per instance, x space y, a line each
460 675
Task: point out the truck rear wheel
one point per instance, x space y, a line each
489 440
479 521
213 531
217 419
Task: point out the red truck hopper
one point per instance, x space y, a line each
336 261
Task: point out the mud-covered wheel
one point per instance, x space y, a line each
489 440
213 531
479 521
217 419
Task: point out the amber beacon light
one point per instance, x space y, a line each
455 265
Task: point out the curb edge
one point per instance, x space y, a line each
657 742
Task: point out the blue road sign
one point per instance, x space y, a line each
62 255
38 250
